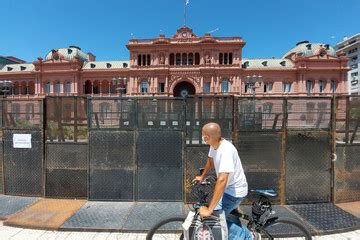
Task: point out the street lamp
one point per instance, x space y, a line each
254 82
6 87
121 82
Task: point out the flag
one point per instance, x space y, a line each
187 2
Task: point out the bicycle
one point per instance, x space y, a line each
262 223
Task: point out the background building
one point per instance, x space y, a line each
184 64
351 47
9 60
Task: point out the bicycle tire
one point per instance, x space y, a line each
157 226
302 231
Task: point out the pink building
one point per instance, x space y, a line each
180 65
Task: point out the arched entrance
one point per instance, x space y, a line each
183 89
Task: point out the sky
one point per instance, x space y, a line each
31 28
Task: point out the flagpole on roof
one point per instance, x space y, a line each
186 2
184 13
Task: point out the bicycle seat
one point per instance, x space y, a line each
265 192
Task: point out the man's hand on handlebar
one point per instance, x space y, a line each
197 179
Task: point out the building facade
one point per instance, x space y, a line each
351 47
184 64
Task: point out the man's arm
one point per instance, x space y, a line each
218 192
208 166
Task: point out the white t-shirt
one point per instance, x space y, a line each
226 159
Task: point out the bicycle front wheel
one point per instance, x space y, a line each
167 229
283 228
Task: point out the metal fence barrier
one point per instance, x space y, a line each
347 143
123 148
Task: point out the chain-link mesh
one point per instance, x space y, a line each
22 114
309 113
194 159
201 110
66 119
347 173
1 167
308 166
66 170
159 160
112 113
347 165
24 166
260 154
158 113
112 165
259 114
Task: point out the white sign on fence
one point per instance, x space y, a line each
21 140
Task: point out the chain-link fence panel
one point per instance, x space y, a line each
112 113
309 113
66 170
66 119
160 113
194 159
354 120
259 114
202 110
1 167
22 114
112 165
347 173
348 119
24 166
260 154
308 166
160 165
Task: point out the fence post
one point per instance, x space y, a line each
44 135
347 121
235 130
333 148
282 183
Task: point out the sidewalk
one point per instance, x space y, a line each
11 233
81 219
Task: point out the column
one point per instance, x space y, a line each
100 86
109 87
202 84
166 85
217 83
156 85
212 85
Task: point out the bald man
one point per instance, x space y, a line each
231 185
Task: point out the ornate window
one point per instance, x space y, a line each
287 87
172 59
225 86
68 87
191 59
268 87
206 87
321 86
178 59
309 87
333 86
47 88
184 59
58 87
144 86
